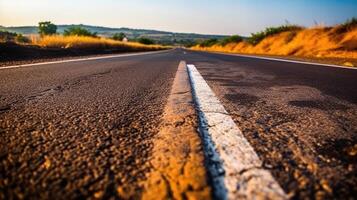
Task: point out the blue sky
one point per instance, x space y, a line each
199 16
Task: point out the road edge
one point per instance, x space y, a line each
278 59
83 59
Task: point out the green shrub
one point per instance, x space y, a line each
255 38
6 36
21 39
119 36
231 39
209 42
147 41
78 31
46 28
348 25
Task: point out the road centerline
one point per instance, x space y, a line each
178 161
234 167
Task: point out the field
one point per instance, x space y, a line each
338 42
83 42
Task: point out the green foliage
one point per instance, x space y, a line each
119 36
255 38
187 43
231 39
146 41
209 42
78 31
21 39
6 36
46 28
348 25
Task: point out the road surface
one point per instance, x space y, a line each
86 129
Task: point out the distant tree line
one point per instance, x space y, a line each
48 28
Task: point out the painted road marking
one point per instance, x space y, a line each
235 169
285 60
82 59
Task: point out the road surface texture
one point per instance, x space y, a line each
81 129
90 129
300 119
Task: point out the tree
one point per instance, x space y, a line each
78 31
46 28
146 41
119 36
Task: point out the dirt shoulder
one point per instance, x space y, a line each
14 54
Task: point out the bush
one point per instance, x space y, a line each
6 36
209 42
231 39
347 26
78 31
46 28
147 41
188 43
255 38
119 36
21 39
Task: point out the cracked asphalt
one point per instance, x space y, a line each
300 119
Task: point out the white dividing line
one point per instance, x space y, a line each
233 162
285 60
81 59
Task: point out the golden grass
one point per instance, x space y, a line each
82 42
313 42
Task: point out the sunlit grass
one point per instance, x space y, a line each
83 42
322 42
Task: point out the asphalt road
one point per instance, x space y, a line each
81 129
85 129
300 119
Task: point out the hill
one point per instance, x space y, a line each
162 37
338 43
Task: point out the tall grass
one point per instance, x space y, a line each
259 36
85 42
339 41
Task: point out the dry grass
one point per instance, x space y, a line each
82 42
313 42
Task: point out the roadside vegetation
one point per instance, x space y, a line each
255 38
88 42
339 41
79 38
119 36
79 31
46 28
146 41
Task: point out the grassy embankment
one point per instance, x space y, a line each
339 42
16 48
85 42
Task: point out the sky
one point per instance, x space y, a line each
192 16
